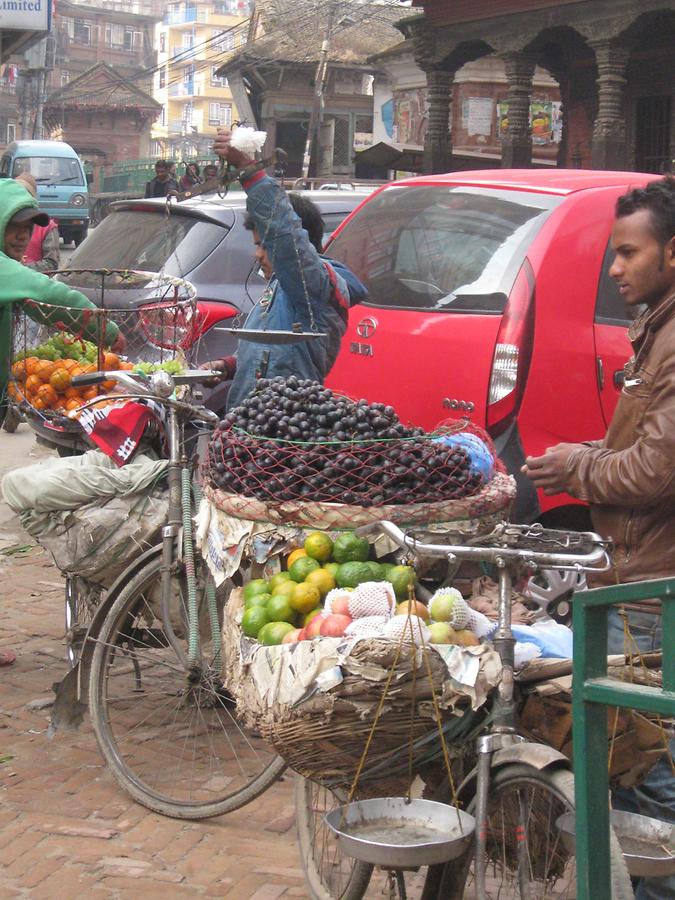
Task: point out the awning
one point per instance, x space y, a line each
392 156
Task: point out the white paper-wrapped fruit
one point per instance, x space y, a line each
407 628
372 598
367 627
448 605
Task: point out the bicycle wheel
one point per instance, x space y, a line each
521 797
170 734
329 874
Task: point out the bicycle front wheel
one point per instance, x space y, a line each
170 733
525 854
329 874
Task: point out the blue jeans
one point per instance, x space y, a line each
655 796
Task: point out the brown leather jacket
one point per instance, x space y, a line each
629 477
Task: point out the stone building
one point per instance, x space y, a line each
612 59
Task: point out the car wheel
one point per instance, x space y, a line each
551 592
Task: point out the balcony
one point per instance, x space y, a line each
185 89
186 17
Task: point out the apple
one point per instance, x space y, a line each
442 605
313 629
310 615
334 625
340 606
302 636
414 607
466 638
292 636
442 633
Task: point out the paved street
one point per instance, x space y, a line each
67 831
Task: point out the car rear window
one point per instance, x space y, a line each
451 248
150 241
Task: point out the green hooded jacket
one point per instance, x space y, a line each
17 283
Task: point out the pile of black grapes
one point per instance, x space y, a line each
297 440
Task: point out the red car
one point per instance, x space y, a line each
490 298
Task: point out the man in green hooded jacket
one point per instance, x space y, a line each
18 214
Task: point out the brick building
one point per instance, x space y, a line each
612 59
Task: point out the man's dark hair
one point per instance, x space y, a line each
211 169
658 197
161 164
309 215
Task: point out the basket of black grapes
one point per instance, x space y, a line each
296 453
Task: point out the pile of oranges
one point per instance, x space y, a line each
47 385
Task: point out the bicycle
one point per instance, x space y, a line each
165 725
516 789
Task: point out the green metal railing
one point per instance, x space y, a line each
592 692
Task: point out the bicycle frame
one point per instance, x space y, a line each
509 560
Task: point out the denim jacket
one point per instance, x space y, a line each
305 289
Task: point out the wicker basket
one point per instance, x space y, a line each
322 736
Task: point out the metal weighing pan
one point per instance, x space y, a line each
648 844
397 834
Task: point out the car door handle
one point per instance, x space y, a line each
619 379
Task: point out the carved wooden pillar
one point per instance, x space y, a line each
609 150
517 142
437 141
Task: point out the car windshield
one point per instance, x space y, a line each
50 170
440 247
149 241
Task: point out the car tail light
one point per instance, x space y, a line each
513 352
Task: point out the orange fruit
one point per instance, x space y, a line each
45 369
68 364
72 393
127 366
89 393
32 362
72 404
295 554
111 361
19 370
33 382
319 546
60 380
39 404
322 580
47 394
305 597
90 367
76 370
109 385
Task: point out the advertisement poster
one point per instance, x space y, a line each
25 15
411 117
545 121
477 115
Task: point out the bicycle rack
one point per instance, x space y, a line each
592 690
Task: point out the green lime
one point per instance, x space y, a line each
279 609
351 574
256 586
277 579
376 570
385 569
318 546
257 600
302 567
254 619
285 588
332 567
401 577
350 548
274 632
305 598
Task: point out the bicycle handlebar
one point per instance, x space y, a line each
595 559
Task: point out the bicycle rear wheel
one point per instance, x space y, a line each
170 734
329 874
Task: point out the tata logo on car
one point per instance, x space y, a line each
366 327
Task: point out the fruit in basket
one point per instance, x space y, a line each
277 579
313 629
257 600
274 633
292 637
448 605
466 638
253 620
319 546
298 553
332 567
351 574
60 380
285 588
279 609
442 633
401 578
310 615
301 568
414 608
334 625
255 586
47 394
340 605
322 580
348 547
305 597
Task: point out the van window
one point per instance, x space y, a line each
442 247
50 169
4 166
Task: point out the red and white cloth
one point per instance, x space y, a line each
117 429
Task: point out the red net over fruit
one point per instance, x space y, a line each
296 440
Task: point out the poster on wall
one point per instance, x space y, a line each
477 114
545 121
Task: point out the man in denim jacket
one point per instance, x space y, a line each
304 290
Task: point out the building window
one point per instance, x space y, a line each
68 27
11 132
217 80
162 42
82 32
162 78
162 116
187 115
188 40
223 40
65 77
133 40
220 113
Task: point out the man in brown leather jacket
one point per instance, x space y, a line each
629 477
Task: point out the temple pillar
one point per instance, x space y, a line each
517 142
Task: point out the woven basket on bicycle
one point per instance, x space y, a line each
446 480
156 314
323 736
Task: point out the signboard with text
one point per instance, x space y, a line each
25 15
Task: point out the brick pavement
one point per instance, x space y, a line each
66 830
